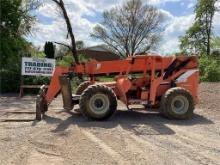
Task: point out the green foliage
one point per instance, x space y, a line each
82 58
16 18
215 42
191 42
75 82
39 80
209 68
15 22
198 36
66 61
33 80
49 49
10 13
197 40
80 45
105 78
9 80
38 55
216 53
12 49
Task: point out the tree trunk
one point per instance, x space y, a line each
69 29
208 46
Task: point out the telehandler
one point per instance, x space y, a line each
151 80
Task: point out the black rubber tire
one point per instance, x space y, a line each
166 101
82 87
92 90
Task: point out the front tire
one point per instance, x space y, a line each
177 103
98 102
82 87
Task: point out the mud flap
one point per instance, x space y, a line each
41 103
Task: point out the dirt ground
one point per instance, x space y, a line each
129 137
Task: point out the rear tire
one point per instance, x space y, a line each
177 103
82 87
98 102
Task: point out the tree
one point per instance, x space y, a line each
61 5
215 42
61 51
80 45
215 45
131 28
49 49
15 22
191 42
198 36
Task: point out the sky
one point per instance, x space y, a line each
85 14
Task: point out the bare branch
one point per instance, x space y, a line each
61 5
130 28
56 1
59 43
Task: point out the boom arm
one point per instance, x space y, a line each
54 87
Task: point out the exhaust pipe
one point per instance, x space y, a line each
66 92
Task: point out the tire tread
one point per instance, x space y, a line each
165 100
87 93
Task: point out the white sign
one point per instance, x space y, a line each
37 66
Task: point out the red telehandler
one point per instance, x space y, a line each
150 80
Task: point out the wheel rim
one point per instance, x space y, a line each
99 103
180 105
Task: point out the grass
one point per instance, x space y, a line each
106 78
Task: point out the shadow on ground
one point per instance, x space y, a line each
138 122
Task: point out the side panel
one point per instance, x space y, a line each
190 80
122 86
162 88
